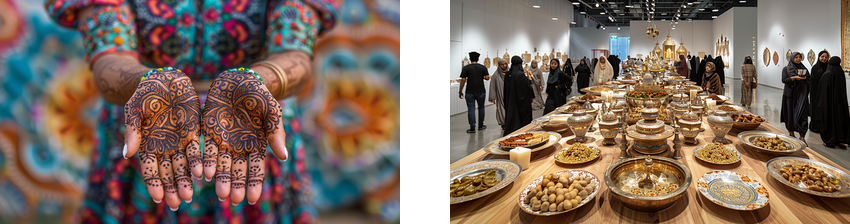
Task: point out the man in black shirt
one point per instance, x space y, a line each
475 74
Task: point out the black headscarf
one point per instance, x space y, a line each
819 64
553 73
568 68
792 67
748 60
593 64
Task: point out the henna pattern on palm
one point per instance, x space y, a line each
165 112
239 115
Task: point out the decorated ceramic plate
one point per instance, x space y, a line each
766 57
775 165
733 190
735 156
495 149
775 58
748 137
593 150
506 172
575 173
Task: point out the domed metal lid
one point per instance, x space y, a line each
609 117
690 116
719 112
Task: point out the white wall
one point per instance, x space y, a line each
695 34
724 25
489 25
746 31
805 25
583 39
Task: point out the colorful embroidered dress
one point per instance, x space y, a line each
201 38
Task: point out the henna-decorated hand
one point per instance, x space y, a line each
240 118
162 123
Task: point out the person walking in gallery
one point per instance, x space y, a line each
497 85
683 67
749 81
795 97
555 85
536 76
693 67
603 72
474 74
711 80
721 70
814 89
832 105
518 97
615 62
571 75
582 76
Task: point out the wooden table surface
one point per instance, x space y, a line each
786 205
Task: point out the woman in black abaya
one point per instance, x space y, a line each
557 80
721 70
518 97
832 105
814 91
795 97
583 76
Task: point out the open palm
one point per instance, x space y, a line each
240 118
162 123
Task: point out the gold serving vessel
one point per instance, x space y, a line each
647 172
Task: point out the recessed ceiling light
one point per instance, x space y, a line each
575 3
701 9
663 19
714 17
689 3
664 14
603 28
652 12
695 2
618 28
554 18
628 6
742 1
674 27
573 22
715 10
582 13
622 14
536 6
600 13
597 4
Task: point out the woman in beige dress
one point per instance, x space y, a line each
748 82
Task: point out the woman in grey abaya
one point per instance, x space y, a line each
537 85
497 88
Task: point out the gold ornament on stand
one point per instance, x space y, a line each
788 55
552 55
811 57
656 51
506 56
669 47
545 67
537 57
465 62
526 57
682 50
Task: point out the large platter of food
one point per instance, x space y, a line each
810 177
746 121
771 143
729 109
558 192
588 97
528 140
717 153
497 149
733 190
569 109
643 95
480 179
577 154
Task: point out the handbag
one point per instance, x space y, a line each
753 85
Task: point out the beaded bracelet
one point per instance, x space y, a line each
242 70
109 30
159 69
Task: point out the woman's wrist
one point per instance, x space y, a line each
272 81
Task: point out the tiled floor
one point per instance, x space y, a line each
767 103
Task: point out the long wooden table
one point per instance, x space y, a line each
786 205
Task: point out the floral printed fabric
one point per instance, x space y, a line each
205 37
201 38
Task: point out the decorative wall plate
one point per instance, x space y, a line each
775 58
545 67
811 57
526 57
788 55
537 58
766 57
487 61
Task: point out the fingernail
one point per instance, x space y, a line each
173 209
208 179
221 199
125 151
285 153
189 201
234 204
250 203
160 200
